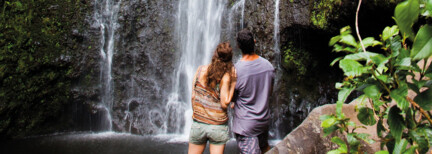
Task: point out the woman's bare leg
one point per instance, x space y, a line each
217 149
196 149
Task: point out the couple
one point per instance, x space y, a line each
213 88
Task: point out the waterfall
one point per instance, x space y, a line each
239 6
198 29
105 16
276 29
277 60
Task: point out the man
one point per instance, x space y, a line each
255 76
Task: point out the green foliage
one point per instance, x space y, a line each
383 78
322 10
35 77
297 59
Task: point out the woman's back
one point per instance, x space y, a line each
206 101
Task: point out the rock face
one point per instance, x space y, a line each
143 65
308 137
146 54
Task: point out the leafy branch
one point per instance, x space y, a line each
382 78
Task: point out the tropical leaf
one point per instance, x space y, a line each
383 78
361 56
399 95
342 146
351 67
366 116
396 123
327 131
334 40
372 91
348 40
353 142
335 61
400 146
345 30
396 46
422 47
328 122
406 14
389 32
418 135
365 137
342 96
424 99
339 48
405 62
370 42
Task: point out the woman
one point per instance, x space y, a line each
213 88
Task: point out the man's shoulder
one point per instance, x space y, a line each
267 63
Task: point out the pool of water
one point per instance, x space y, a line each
106 143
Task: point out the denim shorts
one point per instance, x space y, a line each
201 133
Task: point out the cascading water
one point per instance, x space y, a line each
239 6
277 60
198 30
106 12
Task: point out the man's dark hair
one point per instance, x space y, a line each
245 41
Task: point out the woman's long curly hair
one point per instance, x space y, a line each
221 63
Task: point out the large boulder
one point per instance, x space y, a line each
308 138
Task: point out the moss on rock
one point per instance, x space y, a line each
35 39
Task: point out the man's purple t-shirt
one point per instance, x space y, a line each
252 92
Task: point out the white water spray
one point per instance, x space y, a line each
239 6
106 12
276 49
198 30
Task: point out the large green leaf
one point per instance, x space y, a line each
384 78
400 146
370 41
424 99
396 123
381 61
335 61
334 40
372 91
342 96
418 135
428 134
353 142
361 56
352 67
328 122
399 95
405 62
389 32
339 48
410 119
342 145
366 116
327 131
348 40
422 47
406 14
411 150
365 137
